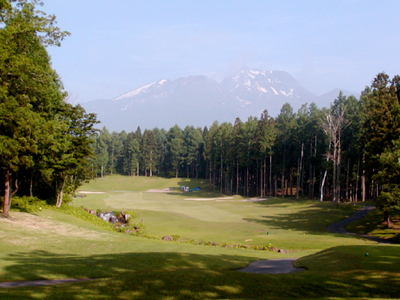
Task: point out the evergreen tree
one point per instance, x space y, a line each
30 90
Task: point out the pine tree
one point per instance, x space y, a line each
30 91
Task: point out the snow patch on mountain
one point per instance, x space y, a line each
134 92
261 89
275 92
287 94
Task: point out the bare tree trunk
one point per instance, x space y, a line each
283 171
298 179
387 219
151 164
247 181
237 177
363 189
261 181
270 175
226 180
339 161
60 195
221 174
31 187
300 171
347 179
7 194
322 186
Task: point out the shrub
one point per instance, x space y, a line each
27 204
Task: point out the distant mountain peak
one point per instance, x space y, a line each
199 100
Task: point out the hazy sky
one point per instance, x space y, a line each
119 45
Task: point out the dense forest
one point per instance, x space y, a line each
348 152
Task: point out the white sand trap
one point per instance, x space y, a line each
226 199
208 199
87 192
160 191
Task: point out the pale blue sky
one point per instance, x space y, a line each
119 45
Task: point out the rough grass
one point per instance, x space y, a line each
50 244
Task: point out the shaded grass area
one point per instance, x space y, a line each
341 272
373 225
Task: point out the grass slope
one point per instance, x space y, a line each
50 244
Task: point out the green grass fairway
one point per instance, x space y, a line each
287 224
53 245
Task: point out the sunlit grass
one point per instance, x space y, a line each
285 223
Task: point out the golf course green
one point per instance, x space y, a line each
214 235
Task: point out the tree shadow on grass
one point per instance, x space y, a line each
181 276
313 219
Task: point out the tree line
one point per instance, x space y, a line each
44 140
342 153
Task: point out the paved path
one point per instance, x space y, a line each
15 284
340 227
272 266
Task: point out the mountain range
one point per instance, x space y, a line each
199 101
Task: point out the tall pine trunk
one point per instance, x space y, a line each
61 193
237 177
7 194
363 189
270 175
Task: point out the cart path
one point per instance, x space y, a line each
340 227
26 283
272 266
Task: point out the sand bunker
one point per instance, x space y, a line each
160 191
226 199
208 199
87 192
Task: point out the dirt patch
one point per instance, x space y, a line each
25 221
